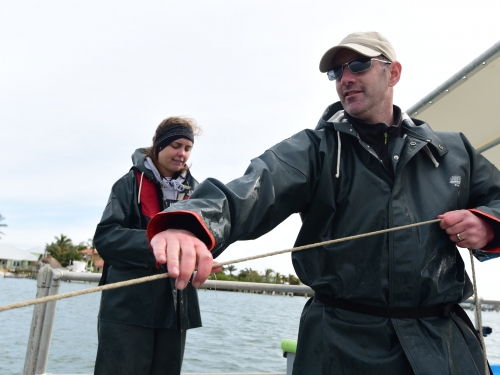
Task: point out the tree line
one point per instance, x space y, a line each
250 275
64 250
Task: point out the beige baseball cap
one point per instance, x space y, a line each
370 44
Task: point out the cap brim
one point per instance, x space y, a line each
326 60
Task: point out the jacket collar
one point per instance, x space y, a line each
412 128
421 130
138 158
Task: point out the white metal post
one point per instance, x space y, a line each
48 323
44 280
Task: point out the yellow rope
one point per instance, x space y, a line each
343 239
165 275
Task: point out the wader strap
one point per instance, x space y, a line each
463 315
444 310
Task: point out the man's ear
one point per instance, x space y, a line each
395 73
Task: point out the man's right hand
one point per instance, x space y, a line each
182 252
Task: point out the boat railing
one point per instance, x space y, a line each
48 283
49 280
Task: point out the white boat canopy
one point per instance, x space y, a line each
468 102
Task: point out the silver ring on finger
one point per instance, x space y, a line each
458 237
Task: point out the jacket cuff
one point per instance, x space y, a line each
494 245
187 220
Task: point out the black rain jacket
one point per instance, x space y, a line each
434 172
121 240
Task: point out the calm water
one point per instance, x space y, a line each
241 333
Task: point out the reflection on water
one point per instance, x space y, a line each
241 332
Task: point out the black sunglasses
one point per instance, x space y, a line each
355 66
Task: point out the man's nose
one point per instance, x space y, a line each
347 76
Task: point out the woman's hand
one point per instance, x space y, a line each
182 251
466 229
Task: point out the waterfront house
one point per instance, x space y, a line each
93 259
11 258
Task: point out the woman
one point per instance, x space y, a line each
142 328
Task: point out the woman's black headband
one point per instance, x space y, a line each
170 134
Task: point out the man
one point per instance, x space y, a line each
383 304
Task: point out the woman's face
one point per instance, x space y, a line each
173 157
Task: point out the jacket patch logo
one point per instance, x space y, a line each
455 180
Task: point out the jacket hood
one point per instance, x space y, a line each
138 158
327 114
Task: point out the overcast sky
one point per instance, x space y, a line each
85 83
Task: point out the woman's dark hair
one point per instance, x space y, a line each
152 152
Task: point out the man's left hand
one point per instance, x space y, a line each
466 229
